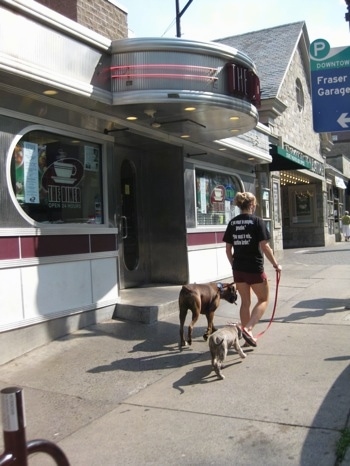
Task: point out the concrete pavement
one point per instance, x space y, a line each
121 393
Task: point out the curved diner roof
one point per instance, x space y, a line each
187 88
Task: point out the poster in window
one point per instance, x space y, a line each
31 173
19 172
276 205
91 158
302 204
203 195
303 208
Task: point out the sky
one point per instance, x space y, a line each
207 20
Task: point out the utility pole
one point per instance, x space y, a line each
180 13
347 15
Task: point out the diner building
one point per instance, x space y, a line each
120 159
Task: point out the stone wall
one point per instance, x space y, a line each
295 126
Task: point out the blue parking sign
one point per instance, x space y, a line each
330 81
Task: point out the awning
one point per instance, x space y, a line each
339 182
283 160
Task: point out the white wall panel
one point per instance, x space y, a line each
224 268
202 265
104 279
208 265
11 296
56 287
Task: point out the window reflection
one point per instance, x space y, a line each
215 193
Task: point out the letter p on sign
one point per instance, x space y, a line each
319 49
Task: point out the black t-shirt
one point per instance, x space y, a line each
245 232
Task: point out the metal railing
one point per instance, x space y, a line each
17 449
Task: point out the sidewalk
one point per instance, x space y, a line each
121 393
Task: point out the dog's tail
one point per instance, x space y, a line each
213 340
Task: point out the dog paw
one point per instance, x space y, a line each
183 345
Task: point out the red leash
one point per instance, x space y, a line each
278 278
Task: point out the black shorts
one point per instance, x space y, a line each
247 277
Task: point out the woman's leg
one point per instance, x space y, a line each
244 291
261 291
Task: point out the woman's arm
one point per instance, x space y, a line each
229 252
266 249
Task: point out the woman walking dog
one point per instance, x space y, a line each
246 239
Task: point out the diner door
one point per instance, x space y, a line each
133 246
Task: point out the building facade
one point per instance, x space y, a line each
120 161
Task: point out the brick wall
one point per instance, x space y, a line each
98 15
66 8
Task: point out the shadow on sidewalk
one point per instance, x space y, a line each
200 375
142 347
149 363
318 307
326 251
330 419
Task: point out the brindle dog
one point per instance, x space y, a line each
202 299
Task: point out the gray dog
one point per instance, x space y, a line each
219 343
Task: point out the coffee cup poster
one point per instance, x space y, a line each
52 181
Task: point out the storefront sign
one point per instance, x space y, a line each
339 182
287 160
243 82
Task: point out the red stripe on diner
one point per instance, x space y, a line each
199 239
9 248
101 243
40 246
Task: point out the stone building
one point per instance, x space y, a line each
298 168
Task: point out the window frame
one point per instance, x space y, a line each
299 91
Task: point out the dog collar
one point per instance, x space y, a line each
219 286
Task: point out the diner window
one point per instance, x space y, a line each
215 194
57 179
